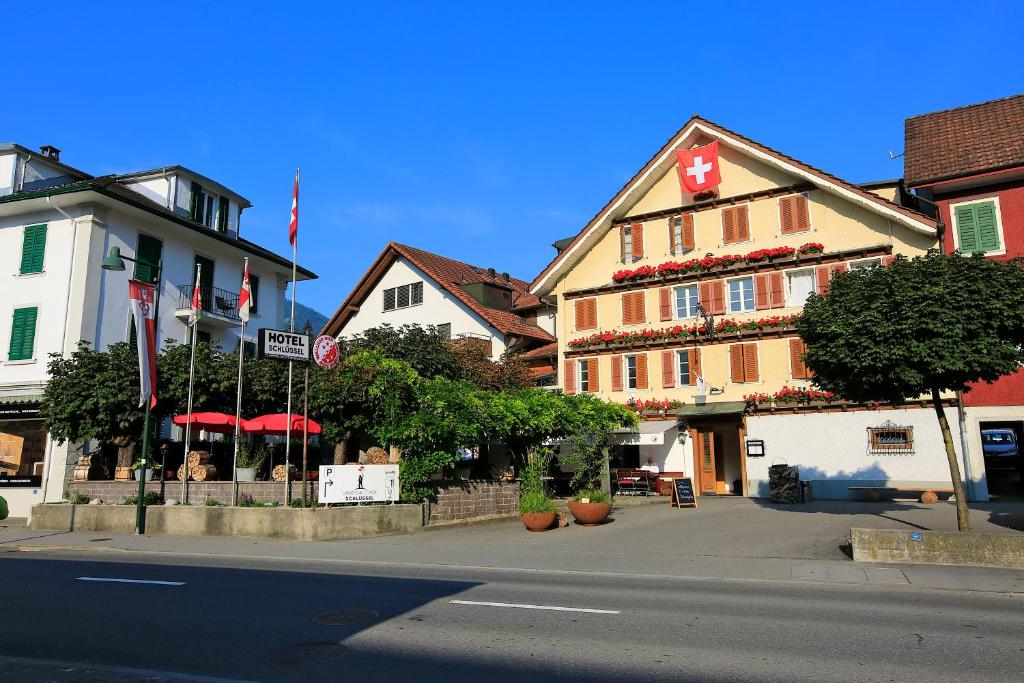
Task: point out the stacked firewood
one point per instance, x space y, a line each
278 472
784 484
199 467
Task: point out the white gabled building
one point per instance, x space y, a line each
56 225
407 286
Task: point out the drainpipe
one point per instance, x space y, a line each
963 446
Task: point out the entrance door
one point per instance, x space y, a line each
706 454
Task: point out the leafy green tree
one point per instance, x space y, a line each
474 365
95 395
214 385
923 326
587 426
424 348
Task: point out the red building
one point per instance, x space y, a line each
969 161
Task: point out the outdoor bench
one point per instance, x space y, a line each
928 494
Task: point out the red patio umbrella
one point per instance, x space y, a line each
277 425
211 422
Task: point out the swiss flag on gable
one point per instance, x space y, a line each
698 168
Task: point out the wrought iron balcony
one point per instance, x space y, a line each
219 302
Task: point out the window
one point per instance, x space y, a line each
205 281
977 227
586 314
631 375
445 330
147 258
865 263
684 367
677 234
254 287
743 363
741 295
404 296
801 286
584 367
248 348
631 242
636 371
23 333
735 224
686 301
33 248
633 312
890 439
680 230
793 216
222 215
798 369
203 206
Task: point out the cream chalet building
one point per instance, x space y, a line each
638 285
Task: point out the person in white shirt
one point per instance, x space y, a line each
650 467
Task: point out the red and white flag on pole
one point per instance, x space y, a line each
143 299
197 301
245 296
698 168
293 227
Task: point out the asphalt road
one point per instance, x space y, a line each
259 622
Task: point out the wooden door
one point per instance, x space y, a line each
706 450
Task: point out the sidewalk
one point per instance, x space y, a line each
730 538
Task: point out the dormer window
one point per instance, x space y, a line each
209 209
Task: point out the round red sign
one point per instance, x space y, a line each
325 351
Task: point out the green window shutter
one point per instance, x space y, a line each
33 248
254 302
133 334
222 215
23 333
988 233
148 249
967 229
195 206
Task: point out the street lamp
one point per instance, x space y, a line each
115 262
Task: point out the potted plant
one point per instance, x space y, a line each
250 459
536 510
151 467
590 507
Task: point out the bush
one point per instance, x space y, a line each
78 498
592 496
211 503
303 503
252 456
535 502
150 498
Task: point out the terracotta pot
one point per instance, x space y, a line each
538 521
590 514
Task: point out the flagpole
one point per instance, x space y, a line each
291 328
305 424
238 400
191 380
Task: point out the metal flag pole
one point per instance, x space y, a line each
308 330
191 381
291 328
238 400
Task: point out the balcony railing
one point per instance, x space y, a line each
217 301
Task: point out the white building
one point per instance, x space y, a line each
410 286
56 225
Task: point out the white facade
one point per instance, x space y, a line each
77 300
439 307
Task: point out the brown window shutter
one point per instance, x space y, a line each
728 226
627 310
672 234
796 357
688 231
641 371
593 375
569 377
622 243
586 314
638 240
717 297
801 213
750 373
736 363
786 220
694 365
822 276
668 370
776 291
888 260
617 372
640 307
665 302
581 314
761 286
742 224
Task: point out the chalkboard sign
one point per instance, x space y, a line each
682 493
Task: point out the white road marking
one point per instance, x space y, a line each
113 580
547 607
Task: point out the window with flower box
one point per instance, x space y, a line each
680 233
635 371
633 308
743 365
587 375
735 224
686 301
586 314
793 214
631 242
800 284
741 295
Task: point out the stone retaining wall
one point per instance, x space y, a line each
471 499
198 492
938 547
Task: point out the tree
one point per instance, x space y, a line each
587 427
213 388
474 365
95 395
924 326
424 348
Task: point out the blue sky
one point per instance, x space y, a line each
478 130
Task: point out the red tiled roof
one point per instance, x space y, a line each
451 275
964 141
541 351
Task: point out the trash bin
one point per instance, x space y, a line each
805 491
784 484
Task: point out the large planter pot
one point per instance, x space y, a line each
590 514
246 474
538 521
149 474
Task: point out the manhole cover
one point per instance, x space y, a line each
306 653
344 617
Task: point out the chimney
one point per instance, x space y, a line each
491 272
50 152
506 277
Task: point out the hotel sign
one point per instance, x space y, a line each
283 345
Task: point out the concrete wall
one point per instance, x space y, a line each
831 450
438 307
21 500
198 492
938 547
312 524
467 500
